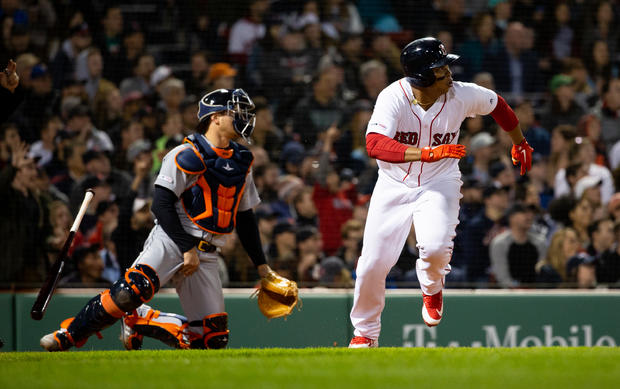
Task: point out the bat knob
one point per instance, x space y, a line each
36 315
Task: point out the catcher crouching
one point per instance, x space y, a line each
203 192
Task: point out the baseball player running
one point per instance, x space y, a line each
413 134
204 190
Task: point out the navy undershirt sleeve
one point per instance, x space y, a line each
247 230
164 210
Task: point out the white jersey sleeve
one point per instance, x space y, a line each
384 119
478 100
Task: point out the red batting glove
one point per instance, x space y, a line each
522 153
440 152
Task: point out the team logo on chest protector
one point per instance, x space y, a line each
212 202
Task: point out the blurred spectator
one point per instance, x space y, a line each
38 102
108 111
480 44
60 224
564 245
17 42
382 48
221 75
266 134
24 220
483 152
334 195
613 208
352 233
608 263
585 93
351 49
334 274
515 252
580 216
110 44
538 137
304 210
44 149
340 17
143 67
451 17
171 94
80 126
284 243
601 26
89 269
196 83
317 112
514 68
373 78
309 252
95 84
607 110
561 139
563 108
63 65
480 231
602 237
582 151
247 30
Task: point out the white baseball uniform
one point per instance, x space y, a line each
423 193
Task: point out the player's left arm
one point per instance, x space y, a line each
521 152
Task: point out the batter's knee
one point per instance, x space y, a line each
436 251
216 332
138 286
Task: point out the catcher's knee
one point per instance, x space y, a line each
215 331
138 286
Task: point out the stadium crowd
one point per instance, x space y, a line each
109 87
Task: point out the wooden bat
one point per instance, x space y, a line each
47 290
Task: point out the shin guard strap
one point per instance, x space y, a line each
110 306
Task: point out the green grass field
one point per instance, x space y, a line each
593 368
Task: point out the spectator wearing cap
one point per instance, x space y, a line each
581 151
80 125
142 68
515 252
563 108
159 75
291 157
480 231
483 152
538 137
89 269
309 252
98 165
334 195
221 76
333 273
247 30
24 221
63 65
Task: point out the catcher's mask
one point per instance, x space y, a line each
236 103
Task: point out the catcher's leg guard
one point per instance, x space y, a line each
215 329
169 328
139 285
61 340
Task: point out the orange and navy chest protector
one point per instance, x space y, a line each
212 202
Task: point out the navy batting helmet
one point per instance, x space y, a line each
234 101
421 56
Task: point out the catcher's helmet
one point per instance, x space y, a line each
236 102
421 56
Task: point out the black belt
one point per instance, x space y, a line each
206 247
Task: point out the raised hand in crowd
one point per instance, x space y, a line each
9 78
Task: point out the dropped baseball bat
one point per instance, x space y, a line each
47 290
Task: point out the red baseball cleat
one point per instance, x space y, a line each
363 342
432 309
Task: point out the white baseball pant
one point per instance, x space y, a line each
433 209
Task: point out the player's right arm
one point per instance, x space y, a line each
382 128
169 185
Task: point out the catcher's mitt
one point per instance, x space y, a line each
277 295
